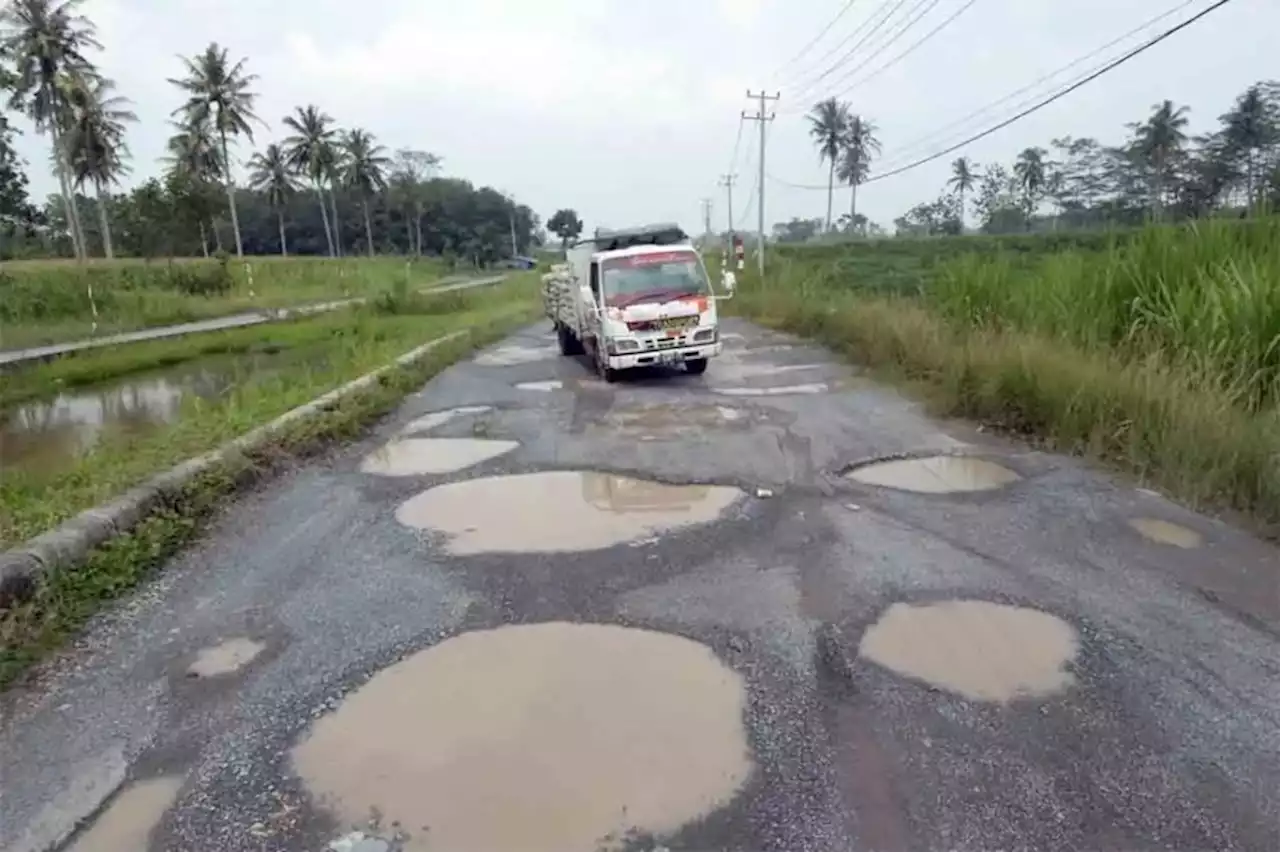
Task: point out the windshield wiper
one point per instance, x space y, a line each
653 296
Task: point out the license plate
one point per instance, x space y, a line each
666 358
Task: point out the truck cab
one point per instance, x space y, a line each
643 298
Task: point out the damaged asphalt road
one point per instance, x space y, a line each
759 609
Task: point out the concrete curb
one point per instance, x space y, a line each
69 544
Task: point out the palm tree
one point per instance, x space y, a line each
858 148
365 170
95 141
963 179
1158 141
828 123
193 157
271 174
218 93
1251 127
43 40
1030 172
309 151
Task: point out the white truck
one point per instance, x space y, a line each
635 298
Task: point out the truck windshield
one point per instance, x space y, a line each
653 277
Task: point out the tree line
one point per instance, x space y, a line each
1159 171
319 189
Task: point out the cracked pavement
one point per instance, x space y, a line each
1138 709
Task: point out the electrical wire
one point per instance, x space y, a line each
904 54
933 135
737 141
799 53
1142 48
919 10
890 5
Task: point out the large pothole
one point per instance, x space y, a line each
1166 532
225 658
512 354
559 511
430 421
980 650
127 822
536 738
420 456
936 475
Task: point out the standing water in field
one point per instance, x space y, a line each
51 433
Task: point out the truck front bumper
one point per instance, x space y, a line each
664 357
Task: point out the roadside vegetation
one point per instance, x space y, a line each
1155 350
334 348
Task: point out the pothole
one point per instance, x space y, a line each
420 456
127 823
427 422
226 658
537 737
982 651
559 511
514 353
781 390
1166 532
656 421
554 384
936 475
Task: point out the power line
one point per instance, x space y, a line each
737 140
941 131
904 54
844 10
920 9
891 9
1056 96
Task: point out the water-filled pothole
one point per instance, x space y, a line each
512 354
553 384
980 650
559 511
936 475
427 422
536 737
780 390
225 658
420 456
127 823
1166 532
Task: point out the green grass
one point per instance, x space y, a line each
65 600
45 302
1156 354
36 498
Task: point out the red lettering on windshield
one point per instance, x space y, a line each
652 259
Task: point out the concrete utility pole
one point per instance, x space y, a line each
706 219
763 118
727 182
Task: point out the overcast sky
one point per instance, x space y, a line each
628 111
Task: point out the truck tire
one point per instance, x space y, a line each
696 366
569 344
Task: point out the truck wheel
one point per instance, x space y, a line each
696 366
569 344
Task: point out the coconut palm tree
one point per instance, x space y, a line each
365 165
1029 169
963 179
309 151
271 174
95 141
1157 142
193 158
828 123
1251 127
858 148
218 93
43 40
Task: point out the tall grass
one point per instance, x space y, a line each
1205 296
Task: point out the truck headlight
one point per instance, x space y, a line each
624 345
706 335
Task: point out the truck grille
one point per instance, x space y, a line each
668 324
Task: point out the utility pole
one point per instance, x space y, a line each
727 182
706 219
764 118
